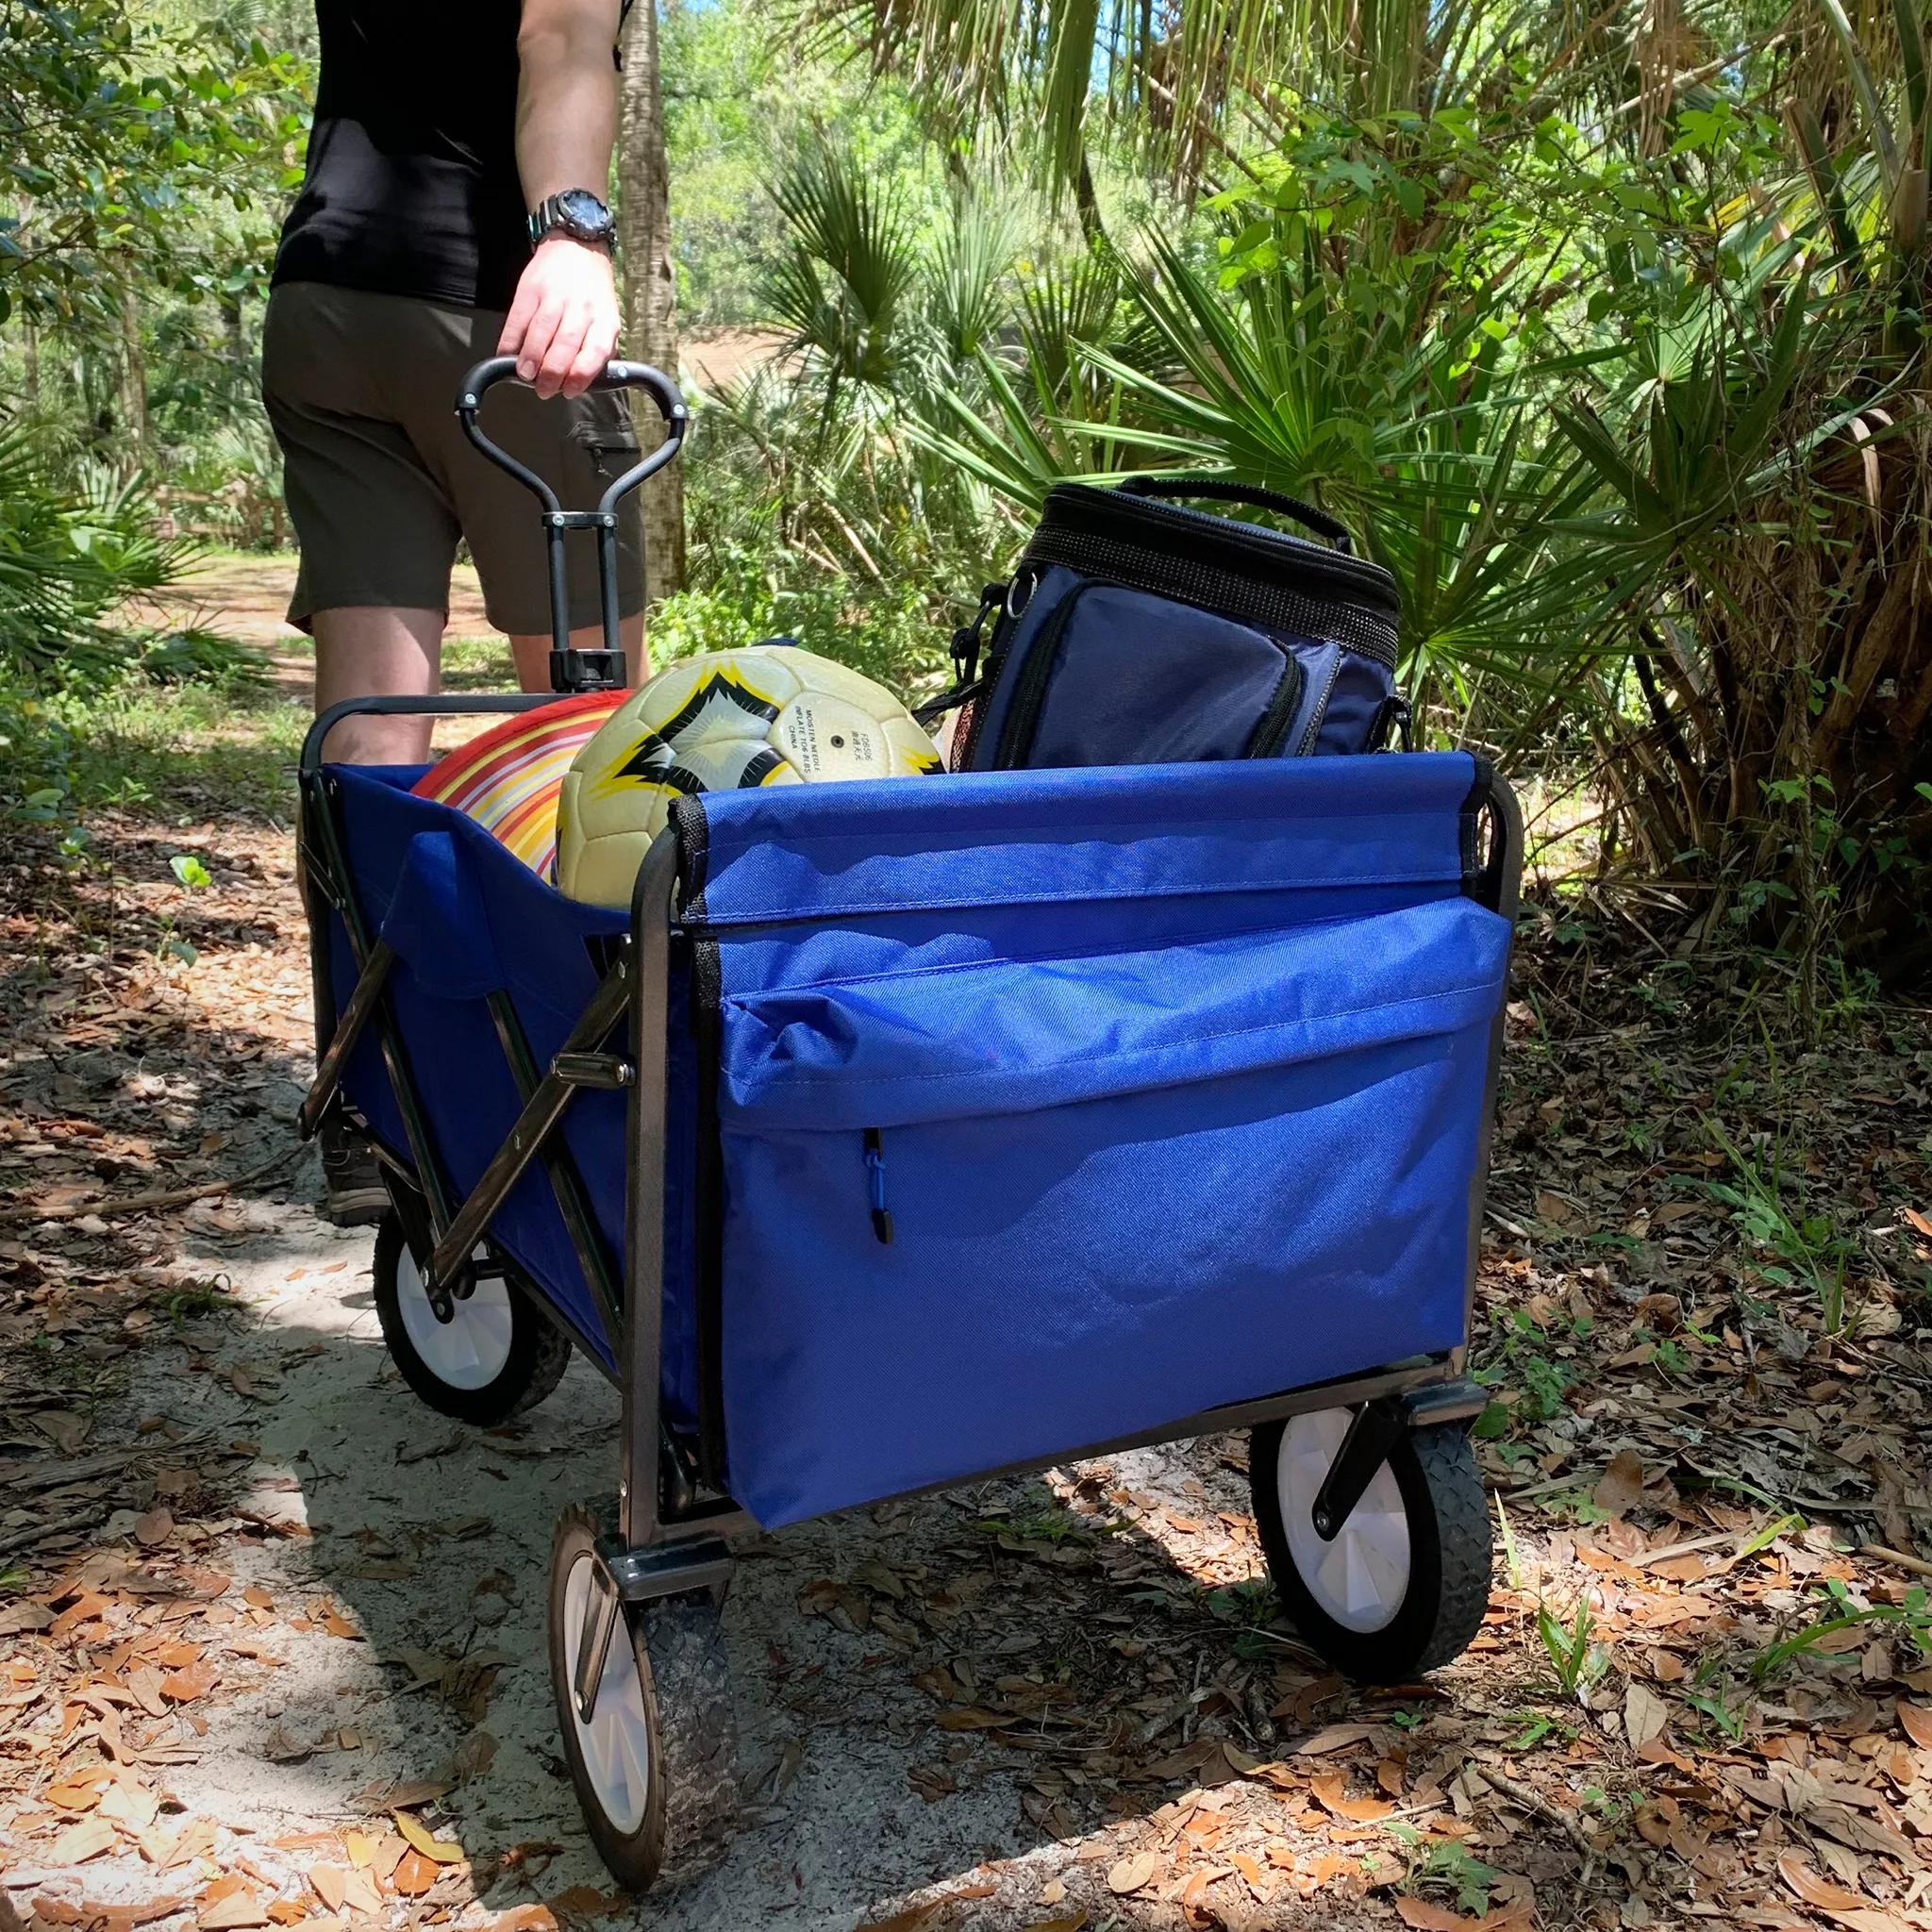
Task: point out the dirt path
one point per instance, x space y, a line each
244 598
264 1620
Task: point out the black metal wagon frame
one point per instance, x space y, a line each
673 1522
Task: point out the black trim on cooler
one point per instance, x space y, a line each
1227 594
1318 715
1036 672
1249 553
1271 729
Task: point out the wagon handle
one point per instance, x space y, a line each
580 671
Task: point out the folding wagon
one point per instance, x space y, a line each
904 1133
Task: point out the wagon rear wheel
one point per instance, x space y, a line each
1403 1584
653 1761
495 1356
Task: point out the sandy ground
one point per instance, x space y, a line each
1023 1707
395 1564
245 596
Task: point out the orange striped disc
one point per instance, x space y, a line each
507 779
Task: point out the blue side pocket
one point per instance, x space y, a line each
990 1213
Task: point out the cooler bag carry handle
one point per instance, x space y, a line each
1218 490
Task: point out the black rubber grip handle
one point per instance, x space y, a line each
655 384
663 391
1218 490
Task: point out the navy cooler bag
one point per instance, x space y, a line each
1136 631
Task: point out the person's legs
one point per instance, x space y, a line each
377 531
373 651
532 651
377 539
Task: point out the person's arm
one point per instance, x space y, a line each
562 325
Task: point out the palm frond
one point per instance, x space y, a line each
839 290
967 302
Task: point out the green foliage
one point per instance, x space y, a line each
68 555
119 128
195 654
1574 1654
1445 1865
740 103
1809 1251
1626 387
843 289
1910 1620
801 527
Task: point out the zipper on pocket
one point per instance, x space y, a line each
1265 740
1319 715
876 1181
1036 674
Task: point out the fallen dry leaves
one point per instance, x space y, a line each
1679 1448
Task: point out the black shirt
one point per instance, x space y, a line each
411 186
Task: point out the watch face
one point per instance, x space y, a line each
583 212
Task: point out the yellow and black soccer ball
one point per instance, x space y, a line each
769 714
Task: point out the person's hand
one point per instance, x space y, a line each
562 325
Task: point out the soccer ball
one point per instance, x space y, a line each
770 714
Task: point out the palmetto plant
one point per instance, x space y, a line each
1605 328
1765 474
68 555
840 288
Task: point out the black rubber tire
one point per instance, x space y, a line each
678 1647
539 1351
1449 1558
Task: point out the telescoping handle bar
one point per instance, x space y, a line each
580 671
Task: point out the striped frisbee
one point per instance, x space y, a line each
508 778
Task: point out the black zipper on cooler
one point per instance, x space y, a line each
1036 674
1370 631
1087 506
1271 730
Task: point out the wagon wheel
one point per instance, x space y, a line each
495 1356
1403 1585
654 1763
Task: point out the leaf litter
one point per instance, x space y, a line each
1712 1487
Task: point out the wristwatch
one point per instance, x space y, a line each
575 213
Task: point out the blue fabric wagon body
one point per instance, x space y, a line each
1167 1085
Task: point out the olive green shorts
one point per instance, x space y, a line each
382 483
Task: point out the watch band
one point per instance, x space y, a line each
553 216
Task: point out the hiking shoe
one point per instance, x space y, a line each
352 1193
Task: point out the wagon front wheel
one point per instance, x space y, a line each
495 1356
1402 1586
653 1759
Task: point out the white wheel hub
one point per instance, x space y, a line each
1360 1578
616 1743
469 1350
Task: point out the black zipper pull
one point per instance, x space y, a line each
1394 710
966 639
875 1175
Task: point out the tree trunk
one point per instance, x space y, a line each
650 294
236 332
1086 203
133 381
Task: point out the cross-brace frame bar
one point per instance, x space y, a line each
671 1539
